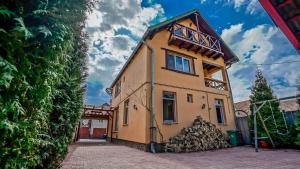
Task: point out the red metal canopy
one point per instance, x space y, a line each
286 14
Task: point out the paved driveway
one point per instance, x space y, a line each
122 157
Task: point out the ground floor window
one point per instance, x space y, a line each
189 98
169 107
116 120
220 111
126 108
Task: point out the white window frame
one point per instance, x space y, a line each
182 60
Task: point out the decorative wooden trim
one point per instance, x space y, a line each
210 63
177 71
197 90
169 50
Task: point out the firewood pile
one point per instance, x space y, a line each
201 136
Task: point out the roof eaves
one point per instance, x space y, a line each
149 30
130 58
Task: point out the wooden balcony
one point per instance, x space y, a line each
214 83
196 41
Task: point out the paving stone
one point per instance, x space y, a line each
122 157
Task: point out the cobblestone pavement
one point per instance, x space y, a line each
122 157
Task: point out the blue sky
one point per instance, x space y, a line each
115 27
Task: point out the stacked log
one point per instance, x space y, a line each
201 136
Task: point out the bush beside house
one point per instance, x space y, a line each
42 70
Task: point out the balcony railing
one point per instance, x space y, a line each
214 83
202 41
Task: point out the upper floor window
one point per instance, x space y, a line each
118 88
220 111
179 63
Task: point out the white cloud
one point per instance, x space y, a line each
114 27
229 34
258 45
253 43
250 6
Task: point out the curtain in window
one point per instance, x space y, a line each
186 65
170 62
179 65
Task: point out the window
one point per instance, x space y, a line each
116 120
190 98
118 88
169 107
178 63
220 111
126 108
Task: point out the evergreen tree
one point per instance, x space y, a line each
261 91
42 70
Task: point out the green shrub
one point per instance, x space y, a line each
42 70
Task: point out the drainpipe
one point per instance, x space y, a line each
152 127
231 96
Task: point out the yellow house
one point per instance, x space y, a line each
176 73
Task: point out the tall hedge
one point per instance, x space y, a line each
42 71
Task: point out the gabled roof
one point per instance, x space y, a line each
229 56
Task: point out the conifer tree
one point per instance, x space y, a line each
261 91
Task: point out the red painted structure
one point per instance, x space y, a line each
93 112
286 14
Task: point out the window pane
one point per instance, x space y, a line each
186 65
219 114
126 107
220 111
168 108
117 120
170 62
190 98
169 95
179 65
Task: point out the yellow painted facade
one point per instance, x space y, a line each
135 87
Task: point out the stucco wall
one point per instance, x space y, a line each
134 88
137 74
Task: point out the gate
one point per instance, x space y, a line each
243 127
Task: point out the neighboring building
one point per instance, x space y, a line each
289 107
94 122
189 79
286 14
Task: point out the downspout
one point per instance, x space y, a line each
152 115
231 96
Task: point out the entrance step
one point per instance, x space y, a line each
92 142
